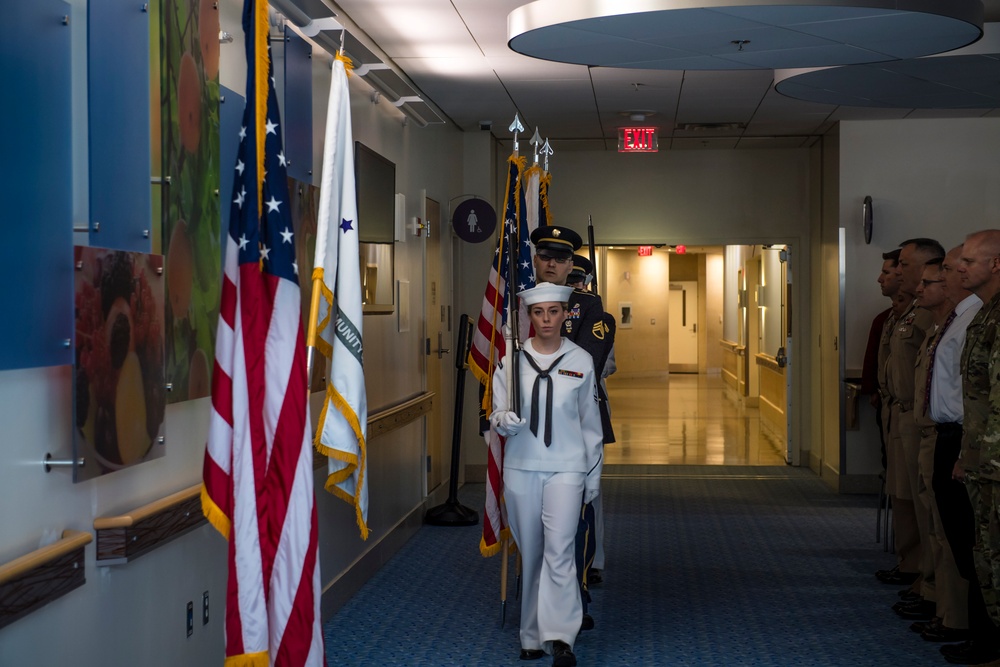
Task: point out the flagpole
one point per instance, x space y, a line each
504 555
317 287
513 379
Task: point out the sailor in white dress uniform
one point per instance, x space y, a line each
552 465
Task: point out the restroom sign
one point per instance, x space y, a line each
637 140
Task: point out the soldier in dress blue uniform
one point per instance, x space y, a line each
580 277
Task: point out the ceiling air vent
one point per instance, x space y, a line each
704 127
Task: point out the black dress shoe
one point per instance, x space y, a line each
971 652
907 595
532 653
905 604
562 655
921 611
588 622
920 627
942 633
898 578
882 574
594 577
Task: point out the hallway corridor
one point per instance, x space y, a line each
685 419
709 562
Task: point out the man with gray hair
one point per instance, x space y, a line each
979 461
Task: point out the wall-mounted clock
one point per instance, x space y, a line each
866 218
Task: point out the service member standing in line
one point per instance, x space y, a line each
960 603
979 461
552 465
937 405
871 370
580 277
903 446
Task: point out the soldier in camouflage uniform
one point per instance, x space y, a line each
979 462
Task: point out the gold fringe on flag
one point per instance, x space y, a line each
262 28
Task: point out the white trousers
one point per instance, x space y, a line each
543 509
598 532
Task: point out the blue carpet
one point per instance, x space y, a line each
706 565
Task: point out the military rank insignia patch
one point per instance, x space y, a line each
599 329
572 374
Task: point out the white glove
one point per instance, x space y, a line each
590 494
507 423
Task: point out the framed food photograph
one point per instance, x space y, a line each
119 387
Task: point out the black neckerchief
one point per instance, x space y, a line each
542 375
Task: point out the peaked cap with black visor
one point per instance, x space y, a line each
558 242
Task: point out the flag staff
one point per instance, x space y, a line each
593 252
512 369
317 283
536 141
547 151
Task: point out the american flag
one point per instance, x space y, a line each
489 346
258 475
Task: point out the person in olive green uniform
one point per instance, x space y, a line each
902 473
979 462
937 366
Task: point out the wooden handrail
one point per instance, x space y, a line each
32 581
770 363
127 536
71 541
389 419
735 348
146 511
397 416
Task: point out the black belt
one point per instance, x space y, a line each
949 427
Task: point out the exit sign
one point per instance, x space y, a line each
637 140
645 251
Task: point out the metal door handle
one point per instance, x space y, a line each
441 350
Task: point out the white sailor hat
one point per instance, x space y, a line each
544 293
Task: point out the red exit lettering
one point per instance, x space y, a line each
637 140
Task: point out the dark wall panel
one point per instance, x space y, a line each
118 99
36 255
298 107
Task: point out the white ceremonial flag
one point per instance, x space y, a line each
340 434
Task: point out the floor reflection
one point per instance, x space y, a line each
685 419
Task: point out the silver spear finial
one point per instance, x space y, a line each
546 151
516 127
